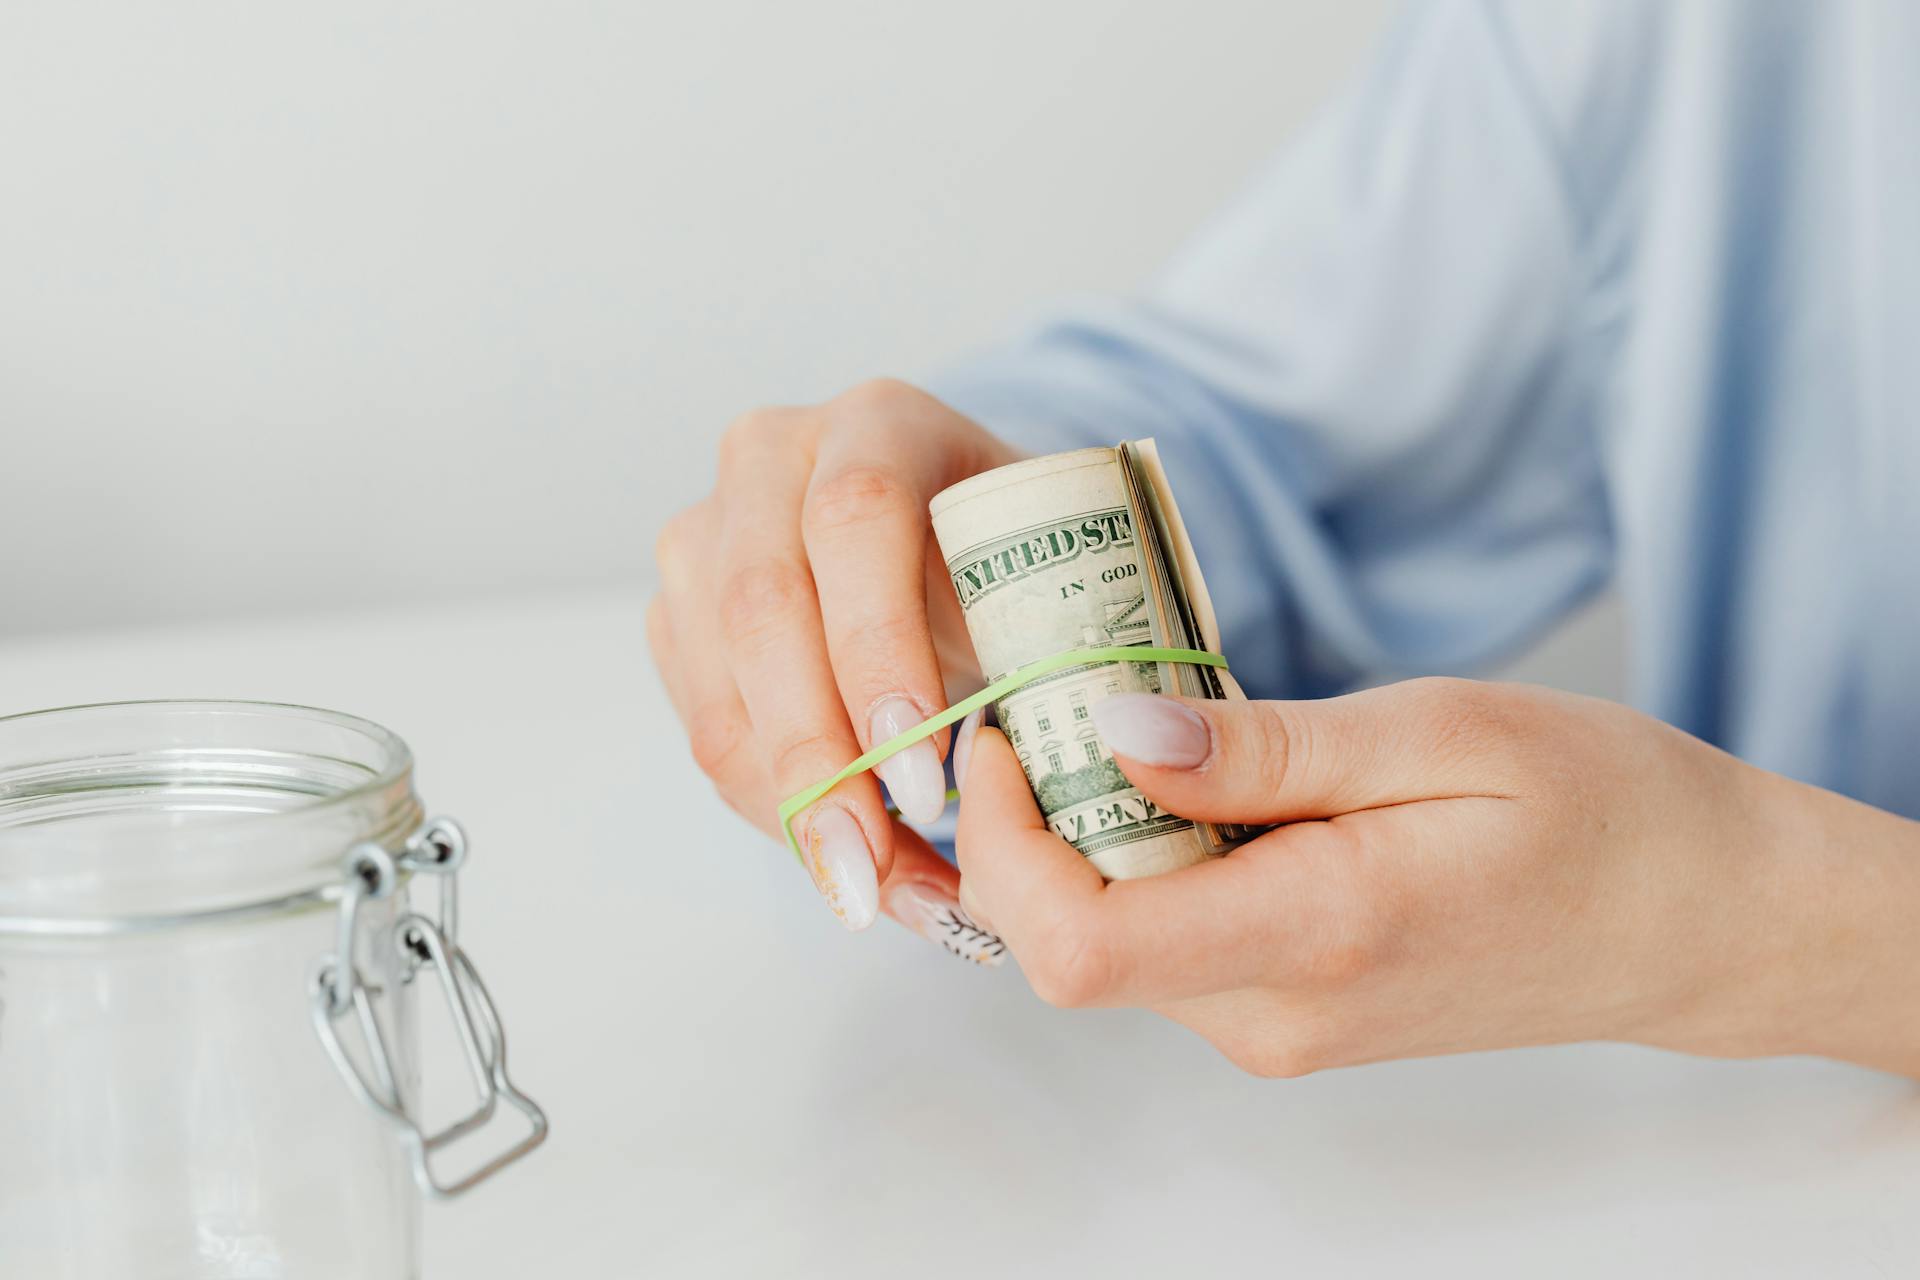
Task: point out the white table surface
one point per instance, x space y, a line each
739 1087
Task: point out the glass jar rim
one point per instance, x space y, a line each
203 808
401 755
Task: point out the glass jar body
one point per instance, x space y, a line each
167 887
165 1110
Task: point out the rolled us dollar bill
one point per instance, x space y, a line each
1073 551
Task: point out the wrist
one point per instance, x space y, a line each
1847 951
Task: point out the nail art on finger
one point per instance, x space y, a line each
841 865
939 918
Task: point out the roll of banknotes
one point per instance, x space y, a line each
1085 550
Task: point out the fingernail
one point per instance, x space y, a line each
963 745
914 777
1153 729
937 917
841 865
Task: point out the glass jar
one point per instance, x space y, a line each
192 1083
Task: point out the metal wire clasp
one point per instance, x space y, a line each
336 991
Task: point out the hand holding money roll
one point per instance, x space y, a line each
1451 865
803 616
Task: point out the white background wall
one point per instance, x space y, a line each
306 307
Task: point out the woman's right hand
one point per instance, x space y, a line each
804 615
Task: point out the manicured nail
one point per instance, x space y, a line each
914 777
841 865
937 917
963 745
1153 729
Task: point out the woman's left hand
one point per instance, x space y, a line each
1463 866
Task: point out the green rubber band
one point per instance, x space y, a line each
791 807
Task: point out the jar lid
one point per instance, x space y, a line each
121 817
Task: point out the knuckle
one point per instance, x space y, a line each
757 598
1281 744
1341 962
857 496
716 743
876 652
658 630
1073 968
750 433
673 549
1472 718
1355 938
1293 1053
878 397
807 755
1268 1062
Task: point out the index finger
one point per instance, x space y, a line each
770 626
867 536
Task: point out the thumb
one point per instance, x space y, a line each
1013 867
1265 762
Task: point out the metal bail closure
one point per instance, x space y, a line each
335 991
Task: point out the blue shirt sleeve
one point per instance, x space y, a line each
1372 378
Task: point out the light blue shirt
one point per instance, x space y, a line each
1555 296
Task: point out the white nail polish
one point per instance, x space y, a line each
963 745
938 918
841 865
1153 730
914 777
